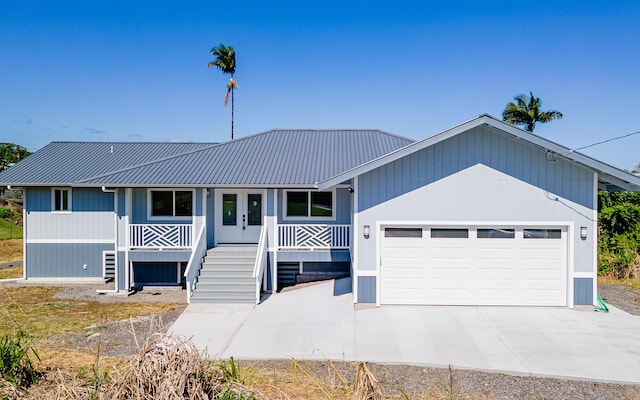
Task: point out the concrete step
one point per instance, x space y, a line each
224 287
213 300
231 280
226 273
233 251
230 260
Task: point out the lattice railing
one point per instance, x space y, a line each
313 236
160 236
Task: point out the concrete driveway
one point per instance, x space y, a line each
320 322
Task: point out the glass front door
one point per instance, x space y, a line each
239 215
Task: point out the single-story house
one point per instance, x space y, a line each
483 213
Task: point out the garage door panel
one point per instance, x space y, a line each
474 271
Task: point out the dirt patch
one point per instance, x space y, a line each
621 295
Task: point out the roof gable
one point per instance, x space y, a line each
608 175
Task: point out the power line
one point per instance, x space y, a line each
602 142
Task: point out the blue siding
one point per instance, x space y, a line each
366 289
82 199
316 255
342 209
343 267
159 256
145 273
583 291
518 159
53 260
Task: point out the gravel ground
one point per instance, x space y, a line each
622 296
417 382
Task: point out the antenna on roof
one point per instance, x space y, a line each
112 149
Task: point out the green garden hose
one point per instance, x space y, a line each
602 306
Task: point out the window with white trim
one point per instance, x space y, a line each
309 204
61 199
171 203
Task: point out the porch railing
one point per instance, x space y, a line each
260 265
195 262
313 237
160 236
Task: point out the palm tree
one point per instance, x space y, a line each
225 61
526 111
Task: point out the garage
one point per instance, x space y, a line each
474 265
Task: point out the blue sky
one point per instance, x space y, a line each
136 70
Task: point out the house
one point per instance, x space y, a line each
480 214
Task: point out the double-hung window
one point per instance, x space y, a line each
61 199
310 204
171 203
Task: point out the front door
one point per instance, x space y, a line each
238 217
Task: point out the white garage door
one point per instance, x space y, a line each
517 265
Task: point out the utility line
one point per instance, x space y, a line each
602 142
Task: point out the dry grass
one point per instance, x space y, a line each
11 272
35 311
610 280
10 250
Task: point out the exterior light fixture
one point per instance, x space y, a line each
366 231
583 232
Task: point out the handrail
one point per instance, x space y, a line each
261 260
198 254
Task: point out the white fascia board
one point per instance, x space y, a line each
614 175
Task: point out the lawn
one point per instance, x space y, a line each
9 232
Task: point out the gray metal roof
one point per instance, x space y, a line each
277 157
609 177
64 163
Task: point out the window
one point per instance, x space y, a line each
496 233
542 233
449 233
403 232
171 203
61 199
309 204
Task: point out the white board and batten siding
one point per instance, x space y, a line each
479 176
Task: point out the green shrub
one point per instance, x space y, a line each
619 234
15 364
5 213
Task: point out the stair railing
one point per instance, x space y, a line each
261 260
195 262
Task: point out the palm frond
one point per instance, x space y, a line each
526 111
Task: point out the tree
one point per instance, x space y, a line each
526 111
636 170
11 153
225 61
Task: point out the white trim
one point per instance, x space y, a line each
368 272
570 267
25 234
583 274
355 237
69 200
274 267
66 280
171 217
71 241
128 201
626 180
594 234
309 217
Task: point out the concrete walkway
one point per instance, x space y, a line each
320 322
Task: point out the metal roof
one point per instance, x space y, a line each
277 157
609 177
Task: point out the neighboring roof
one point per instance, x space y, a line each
277 157
609 177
